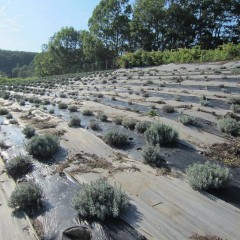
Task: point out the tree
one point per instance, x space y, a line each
94 51
63 54
65 47
44 65
13 59
216 21
179 34
147 26
110 23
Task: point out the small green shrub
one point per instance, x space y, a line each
145 95
159 133
29 131
177 98
235 108
118 120
186 119
3 111
152 113
52 111
99 95
9 116
100 200
207 176
72 108
87 112
234 100
43 145
151 155
13 121
129 123
62 105
102 116
229 126
22 102
62 95
204 101
116 139
94 125
26 196
168 108
46 102
18 166
74 121
142 126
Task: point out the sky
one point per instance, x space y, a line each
27 24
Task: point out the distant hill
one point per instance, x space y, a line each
12 59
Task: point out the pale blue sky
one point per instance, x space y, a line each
27 24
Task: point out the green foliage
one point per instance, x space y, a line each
29 131
152 113
23 71
62 105
151 155
129 123
142 126
22 102
234 100
3 111
208 176
94 125
204 102
186 119
34 100
102 116
5 95
13 121
9 116
75 121
72 108
51 111
168 108
118 120
100 200
18 166
116 139
160 134
9 60
235 108
229 126
43 145
87 112
142 58
110 22
46 102
26 196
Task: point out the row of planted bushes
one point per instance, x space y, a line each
141 58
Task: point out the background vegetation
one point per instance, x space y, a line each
145 33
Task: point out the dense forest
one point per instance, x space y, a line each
16 63
117 29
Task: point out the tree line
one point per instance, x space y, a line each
16 63
117 28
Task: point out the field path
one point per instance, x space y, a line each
163 207
12 227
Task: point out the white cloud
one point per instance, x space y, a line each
7 22
4 7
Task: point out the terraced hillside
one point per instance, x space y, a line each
191 98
